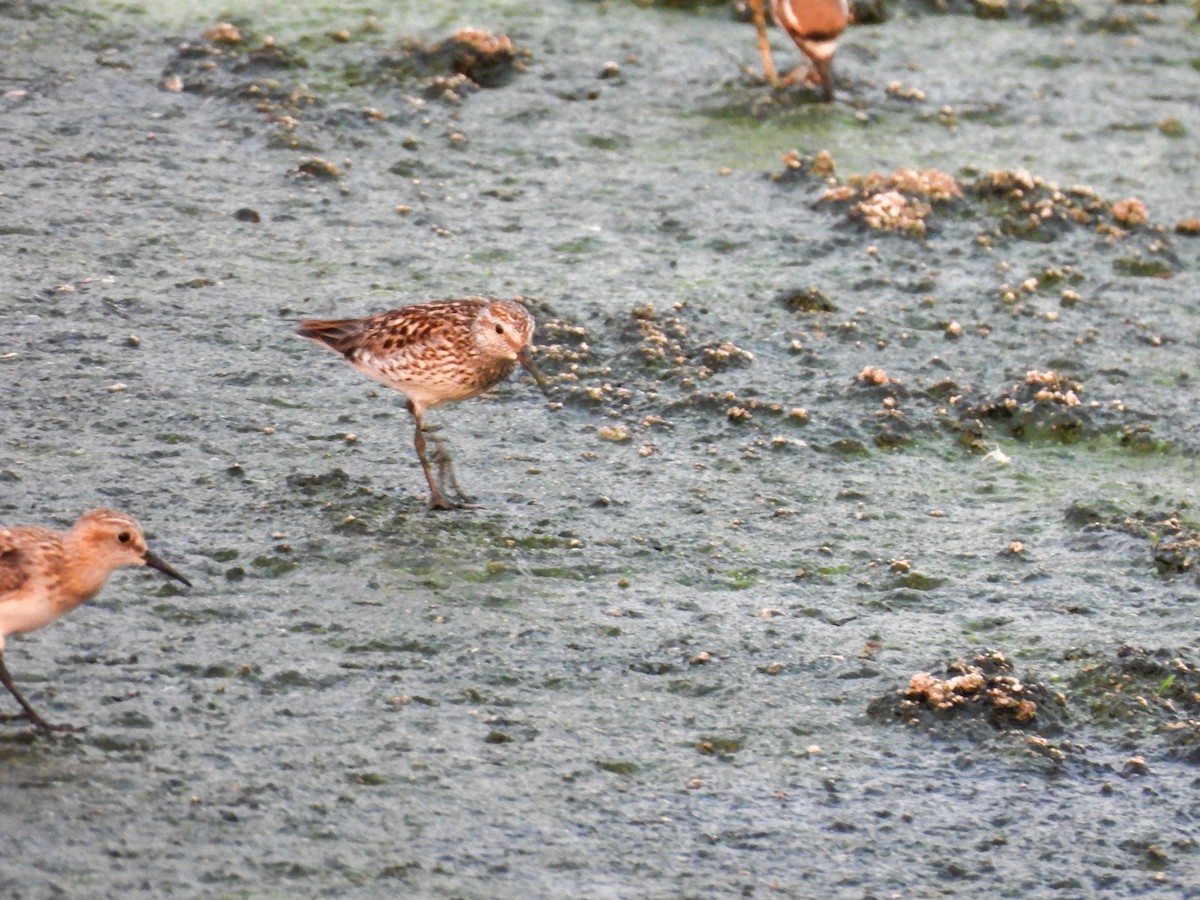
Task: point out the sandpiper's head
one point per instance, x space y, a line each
504 330
112 539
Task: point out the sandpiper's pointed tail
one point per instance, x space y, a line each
343 335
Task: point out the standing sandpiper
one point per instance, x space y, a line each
434 352
44 574
815 26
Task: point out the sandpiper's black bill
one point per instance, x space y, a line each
525 358
155 563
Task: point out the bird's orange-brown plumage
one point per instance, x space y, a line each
45 574
814 26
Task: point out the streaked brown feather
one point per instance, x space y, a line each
18 560
397 329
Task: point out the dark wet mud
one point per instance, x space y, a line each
854 554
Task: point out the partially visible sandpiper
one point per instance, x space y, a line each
815 26
44 574
434 352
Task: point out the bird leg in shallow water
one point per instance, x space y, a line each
30 713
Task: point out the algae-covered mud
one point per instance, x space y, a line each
853 553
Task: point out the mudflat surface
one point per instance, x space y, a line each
791 459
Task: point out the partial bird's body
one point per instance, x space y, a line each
433 353
814 26
45 574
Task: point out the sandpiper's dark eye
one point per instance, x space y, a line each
499 329
123 537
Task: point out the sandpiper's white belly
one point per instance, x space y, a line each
26 611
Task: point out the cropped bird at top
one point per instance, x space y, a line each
44 574
432 353
815 26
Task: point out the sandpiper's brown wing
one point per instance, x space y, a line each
395 330
17 562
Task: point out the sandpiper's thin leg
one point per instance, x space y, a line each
30 713
764 47
445 469
437 500
817 75
793 76
822 74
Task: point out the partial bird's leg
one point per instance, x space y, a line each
822 74
793 76
30 714
445 468
437 499
764 47
818 71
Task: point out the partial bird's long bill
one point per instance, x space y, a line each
525 358
155 563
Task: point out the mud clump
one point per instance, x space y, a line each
1043 404
565 344
901 202
1153 691
807 300
316 167
983 689
1174 546
224 61
663 344
469 57
662 364
911 202
1031 208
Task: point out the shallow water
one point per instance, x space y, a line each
575 690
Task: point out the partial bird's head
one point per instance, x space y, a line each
112 539
504 330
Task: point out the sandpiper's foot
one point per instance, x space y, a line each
439 501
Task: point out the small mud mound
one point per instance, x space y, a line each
1009 204
229 61
471 57
902 202
1174 546
226 61
984 689
661 364
1034 209
1045 404
646 369
646 372
1152 691
659 348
